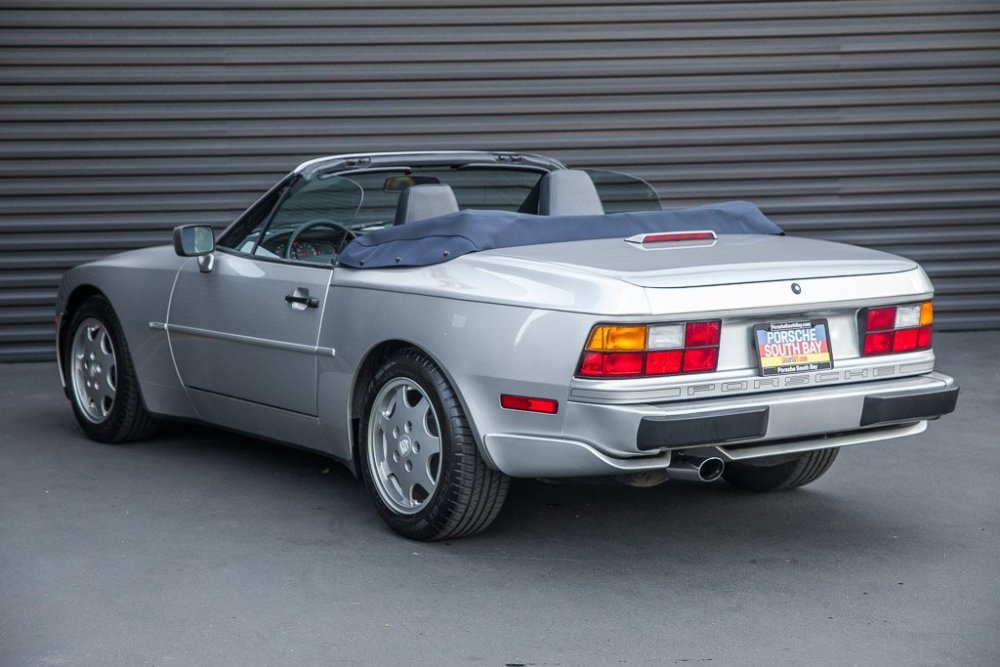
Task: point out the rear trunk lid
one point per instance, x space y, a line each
729 260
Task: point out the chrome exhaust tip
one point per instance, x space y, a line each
696 469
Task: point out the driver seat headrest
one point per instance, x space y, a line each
419 202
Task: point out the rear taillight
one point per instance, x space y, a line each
620 351
894 329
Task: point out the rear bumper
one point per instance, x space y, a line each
613 439
749 423
907 406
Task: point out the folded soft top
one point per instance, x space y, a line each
446 237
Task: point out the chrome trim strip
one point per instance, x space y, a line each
249 340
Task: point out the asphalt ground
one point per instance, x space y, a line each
201 547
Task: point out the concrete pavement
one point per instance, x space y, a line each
201 547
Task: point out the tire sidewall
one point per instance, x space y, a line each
425 523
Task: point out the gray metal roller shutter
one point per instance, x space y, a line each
875 123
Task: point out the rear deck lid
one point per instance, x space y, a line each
731 259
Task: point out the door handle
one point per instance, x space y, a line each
300 299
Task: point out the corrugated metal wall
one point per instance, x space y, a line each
869 122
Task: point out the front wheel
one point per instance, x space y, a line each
419 460
789 474
103 386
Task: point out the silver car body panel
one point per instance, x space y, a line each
138 283
224 347
233 334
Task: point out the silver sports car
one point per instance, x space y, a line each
443 321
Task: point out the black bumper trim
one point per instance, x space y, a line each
907 406
701 429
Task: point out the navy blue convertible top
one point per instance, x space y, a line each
446 237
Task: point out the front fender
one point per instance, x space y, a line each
138 284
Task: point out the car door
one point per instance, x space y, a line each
248 328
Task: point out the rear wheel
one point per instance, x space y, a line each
789 474
419 460
103 387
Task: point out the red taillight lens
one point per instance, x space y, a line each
623 363
592 364
656 349
904 340
881 319
664 362
700 360
611 364
698 334
878 343
529 404
924 337
893 329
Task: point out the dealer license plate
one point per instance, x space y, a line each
799 346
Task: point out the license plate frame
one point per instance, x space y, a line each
805 335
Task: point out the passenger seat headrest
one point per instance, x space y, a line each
419 202
568 192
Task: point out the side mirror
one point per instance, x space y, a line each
193 240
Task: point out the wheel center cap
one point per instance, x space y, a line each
404 445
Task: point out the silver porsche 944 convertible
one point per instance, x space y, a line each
443 321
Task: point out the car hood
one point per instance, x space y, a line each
731 259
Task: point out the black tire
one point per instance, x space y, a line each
784 476
124 418
467 494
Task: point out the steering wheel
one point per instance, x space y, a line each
319 222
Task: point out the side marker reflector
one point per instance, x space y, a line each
529 404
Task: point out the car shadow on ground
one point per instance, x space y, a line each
600 520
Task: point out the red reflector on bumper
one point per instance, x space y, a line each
529 404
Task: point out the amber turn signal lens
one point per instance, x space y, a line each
926 314
617 338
